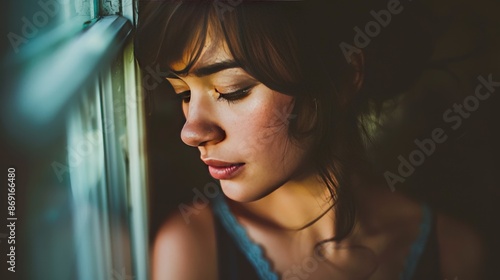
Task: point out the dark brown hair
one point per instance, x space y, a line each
293 47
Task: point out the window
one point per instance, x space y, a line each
74 133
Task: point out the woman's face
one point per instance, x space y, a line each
239 125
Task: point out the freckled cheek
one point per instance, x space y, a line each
260 136
274 121
259 128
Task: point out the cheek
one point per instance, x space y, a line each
262 142
264 133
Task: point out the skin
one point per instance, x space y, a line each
277 192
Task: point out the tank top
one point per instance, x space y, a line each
239 258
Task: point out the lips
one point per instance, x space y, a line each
223 170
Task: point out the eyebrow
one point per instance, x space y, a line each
206 70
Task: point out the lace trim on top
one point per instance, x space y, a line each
256 257
252 251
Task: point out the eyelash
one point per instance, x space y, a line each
230 97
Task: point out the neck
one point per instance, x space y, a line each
293 206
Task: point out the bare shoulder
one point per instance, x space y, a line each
461 249
185 247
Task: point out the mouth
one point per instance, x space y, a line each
223 170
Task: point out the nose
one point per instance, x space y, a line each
201 127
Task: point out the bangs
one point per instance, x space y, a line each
264 47
173 32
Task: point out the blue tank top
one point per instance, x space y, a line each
240 258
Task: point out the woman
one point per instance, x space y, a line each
277 98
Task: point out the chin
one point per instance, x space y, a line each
244 193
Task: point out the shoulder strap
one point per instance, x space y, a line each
252 251
419 245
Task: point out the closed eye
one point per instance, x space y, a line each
234 96
230 97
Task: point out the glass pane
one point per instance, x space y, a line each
88 186
117 162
